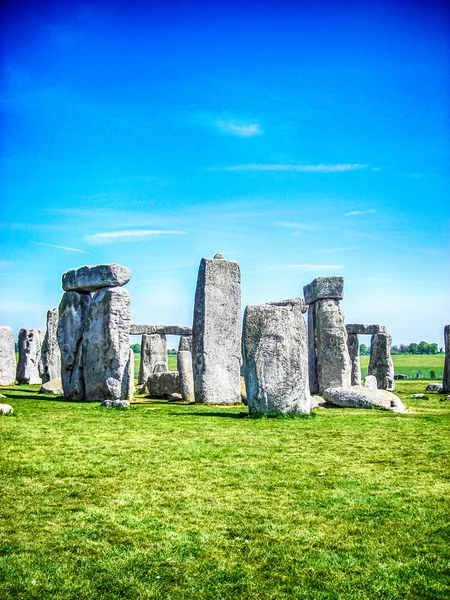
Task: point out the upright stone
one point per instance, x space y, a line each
446 375
380 363
30 343
353 350
186 375
7 356
185 343
50 363
71 318
312 350
153 352
333 360
216 337
275 352
130 376
106 346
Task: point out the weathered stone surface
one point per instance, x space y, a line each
434 387
275 353
163 385
153 352
446 399
130 376
50 363
243 391
175 397
361 397
6 409
72 315
380 363
324 288
370 382
333 361
160 329
106 346
446 375
54 386
30 343
185 343
7 356
312 350
362 329
216 341
353 351
116 403
186 375
89 279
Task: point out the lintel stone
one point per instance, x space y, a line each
88 279
324 288
160 329
362 329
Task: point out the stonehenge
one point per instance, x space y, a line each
93 334
161 330
329 360
7 356
153 355
50 363
446 375
275 354
30 344
216 332
381 364
353 351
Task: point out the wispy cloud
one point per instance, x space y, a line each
137 235
331 250
360 212
62 247
334 168
305 267
297 226
241 130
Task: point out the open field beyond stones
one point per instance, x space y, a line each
178 501
411 364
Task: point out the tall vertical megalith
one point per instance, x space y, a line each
446 375
153 354
216 339
330 364
50 363
30 343
7 356
353 350
381 364
275 352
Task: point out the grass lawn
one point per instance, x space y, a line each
176 501
411 364
171 359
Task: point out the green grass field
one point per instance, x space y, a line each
176 501
171 359
411 364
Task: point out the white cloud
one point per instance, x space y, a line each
136 235
360 212
240 130
297 226
336 168
62 247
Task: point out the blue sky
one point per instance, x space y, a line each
299 140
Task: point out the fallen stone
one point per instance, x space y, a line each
163 385
400 376
353 351
446 375
216 341
275 353
362 329
324 288
88 279
6 409
7 356
50 363
72 313
106 346
153 352
370 382
360 397
116 403
446 399
381 364
186 375
333 360
418 396
175 397
30 343
317 401
54 386
434 387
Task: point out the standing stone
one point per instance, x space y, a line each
7 356
216 328
275 351
312 350
71 318
333 360
380 363
130 376
50 363
153 352
162 384
106 346
185 343
186 375
353 351
30 343
446 376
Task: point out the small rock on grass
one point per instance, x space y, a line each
6 409
423 396
446 399
116 403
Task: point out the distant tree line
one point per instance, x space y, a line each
420 348
137 349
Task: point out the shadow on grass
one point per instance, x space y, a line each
240 415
